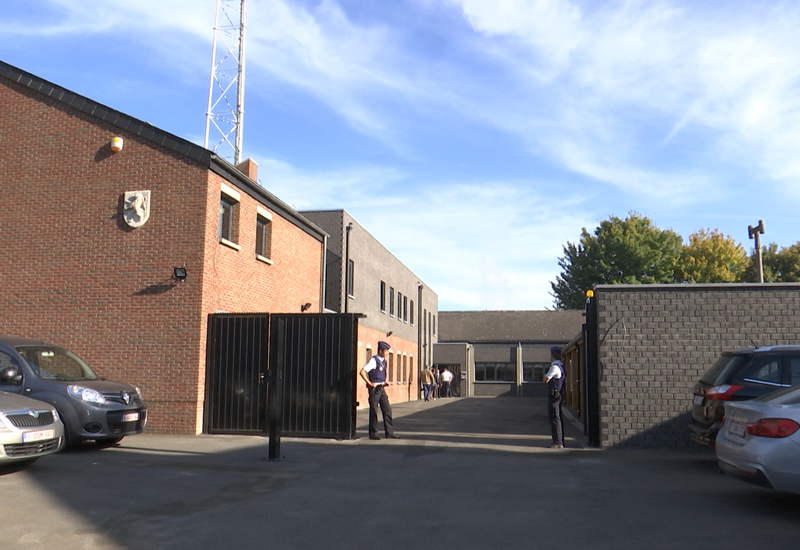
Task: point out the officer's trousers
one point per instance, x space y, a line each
554 413
378 398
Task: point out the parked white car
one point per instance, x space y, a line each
29 429
760 440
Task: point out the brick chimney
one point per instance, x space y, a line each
249 168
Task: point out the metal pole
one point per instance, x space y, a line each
240 86
211 79
755 233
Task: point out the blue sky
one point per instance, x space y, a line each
474 138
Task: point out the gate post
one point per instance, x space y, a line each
275 394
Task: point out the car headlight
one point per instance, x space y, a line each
86 394
56 418
139 391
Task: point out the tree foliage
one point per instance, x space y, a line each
620 251
780 266
711 257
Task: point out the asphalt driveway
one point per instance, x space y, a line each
467 473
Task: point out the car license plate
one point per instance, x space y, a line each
698 400
737 429
130 417
38 436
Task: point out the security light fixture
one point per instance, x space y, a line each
305 306
179 273
389 333
116 144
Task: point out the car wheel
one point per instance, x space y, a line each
108 441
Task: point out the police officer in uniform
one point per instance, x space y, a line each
374 374
555 397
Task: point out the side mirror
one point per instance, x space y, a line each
11 376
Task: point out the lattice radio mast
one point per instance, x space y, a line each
225 112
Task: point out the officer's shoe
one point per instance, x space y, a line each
374 437
556 446
393 436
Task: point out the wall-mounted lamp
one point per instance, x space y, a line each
116 144
389 333
179 273
305 306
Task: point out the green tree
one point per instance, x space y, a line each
620 251
711 257
780 266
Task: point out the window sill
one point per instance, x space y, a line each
230 244
264 259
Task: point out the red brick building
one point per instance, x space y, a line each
82 271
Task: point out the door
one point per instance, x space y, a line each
236 373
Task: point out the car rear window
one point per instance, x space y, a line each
761 370
726 365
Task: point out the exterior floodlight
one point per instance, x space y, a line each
116 144
179 273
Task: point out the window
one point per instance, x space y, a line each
369 356
433 324
405 309
391 301
229 216
405 366
399 306
495 372
412 312
226 218
534 372
263 234
767 371
350 269
390 367
383 296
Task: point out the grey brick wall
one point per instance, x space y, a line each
655 341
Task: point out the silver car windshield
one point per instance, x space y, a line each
51 363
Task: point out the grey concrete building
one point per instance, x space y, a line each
363 276
497 353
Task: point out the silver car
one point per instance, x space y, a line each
29 429
760 440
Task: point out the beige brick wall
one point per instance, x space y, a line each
655 341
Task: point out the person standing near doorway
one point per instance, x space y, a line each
555 397
427 382
374 374
447 378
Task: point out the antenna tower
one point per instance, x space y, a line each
225 112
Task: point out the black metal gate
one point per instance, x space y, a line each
312 378
236 370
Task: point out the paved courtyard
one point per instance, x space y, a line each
467 473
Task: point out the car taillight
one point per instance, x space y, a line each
723 392
772 427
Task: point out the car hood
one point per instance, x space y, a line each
103 386
11 402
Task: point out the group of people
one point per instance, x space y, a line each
437 384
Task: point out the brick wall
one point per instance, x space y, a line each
76 275
655 341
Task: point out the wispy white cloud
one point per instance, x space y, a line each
492 242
